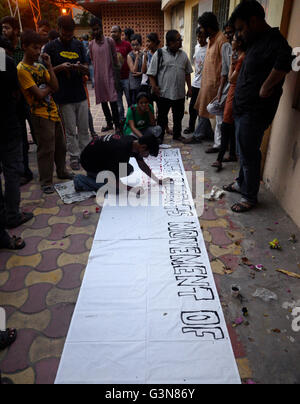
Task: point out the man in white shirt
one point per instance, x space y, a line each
198 60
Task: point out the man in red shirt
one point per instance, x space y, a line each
123 48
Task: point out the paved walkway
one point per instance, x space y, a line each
39 285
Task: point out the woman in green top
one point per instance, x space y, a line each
140 119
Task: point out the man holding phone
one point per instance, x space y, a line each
70 64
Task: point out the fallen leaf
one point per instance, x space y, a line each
291 274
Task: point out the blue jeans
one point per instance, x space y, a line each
124 89
249 136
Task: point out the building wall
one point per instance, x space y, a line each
142 17
282 170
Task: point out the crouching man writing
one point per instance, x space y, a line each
108 152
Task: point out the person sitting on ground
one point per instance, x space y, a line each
140 119
108 152
38 83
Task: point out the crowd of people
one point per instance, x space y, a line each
239 75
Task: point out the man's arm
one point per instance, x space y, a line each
53 82
189 84
274 78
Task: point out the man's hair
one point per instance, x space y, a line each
142 95
129 32
53 35
96 21
136 37
13 22
66 22
43 23
117 26
247 9
152 144
171 36
198 31
30 37
209 20
229 24
153 37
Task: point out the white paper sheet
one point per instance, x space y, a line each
148 309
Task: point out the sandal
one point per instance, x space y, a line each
218 166
242 207
13 243
7 338
232 188
48 189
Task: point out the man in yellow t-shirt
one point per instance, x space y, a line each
38 83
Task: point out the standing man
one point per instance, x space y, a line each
211 76
38 82
104 57
123 48
259 89
199 58
11 162
169 71
69 61
11 31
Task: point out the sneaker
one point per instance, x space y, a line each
48 189
75 166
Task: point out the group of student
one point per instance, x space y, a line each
238 79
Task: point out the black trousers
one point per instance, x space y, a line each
164 106
111 116
228 138
192 111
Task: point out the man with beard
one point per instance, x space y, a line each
70 65
259 89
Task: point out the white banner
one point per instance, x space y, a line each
148 311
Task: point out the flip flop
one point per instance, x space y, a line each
7 338
230 188
13 243
242 207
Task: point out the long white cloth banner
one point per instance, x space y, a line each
148 311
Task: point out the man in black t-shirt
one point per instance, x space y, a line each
11 162
70 63
107 153
257 95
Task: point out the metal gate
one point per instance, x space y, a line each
221 9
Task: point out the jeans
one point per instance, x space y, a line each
88 183
124 89
11 163
249 136
164 106
76 123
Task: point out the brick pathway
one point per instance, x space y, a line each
39 285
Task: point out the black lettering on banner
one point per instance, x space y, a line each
191 281
201 323
199 293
